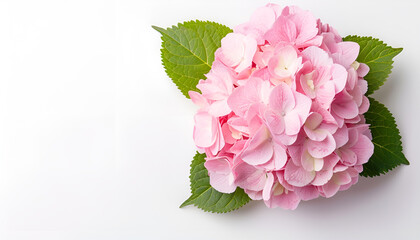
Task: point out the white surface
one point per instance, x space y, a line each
95 140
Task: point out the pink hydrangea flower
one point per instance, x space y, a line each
281 111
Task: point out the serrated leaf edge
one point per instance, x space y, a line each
404 160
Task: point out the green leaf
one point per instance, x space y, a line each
386 139
188 51
207 198
378 56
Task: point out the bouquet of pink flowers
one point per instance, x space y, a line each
283 113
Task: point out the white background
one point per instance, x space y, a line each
96 141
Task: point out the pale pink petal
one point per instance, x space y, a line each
250 49
232 50
315 129
341 136
326 115
325 94
242 98
341 178
297 176
317 134
344 106
280 178
363 149
322 177
307 193
292 123
260 148
222 183
279 156
330 189
205 129
313 121
307 83
274 122
254 195
249 177
348 52
284 64
339 77
198 99
330 161
295 118
218 164
283 30
282 98
239 124
219 108
227 134
364 107
268 186
262 73
288 200
348 157
362 70
310 163
317 56
320 149
340 168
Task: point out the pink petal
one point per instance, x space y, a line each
283 30
348 53
288 200
198 99
317 56
267 187
307 193
219 108
250 49
313 121
279 157
310 163
326 115
222 183
344 106
362 70
320 149
205 129
363 149
322 177
294 119
307 83
339 77
250 178
242 98
341 178
280 178
341 136
232 49
297 176
218 164
325 94
227 134
254 195
330 189
221 176
274 122
260 148
348 157
282 99
364 107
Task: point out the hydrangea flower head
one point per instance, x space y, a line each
281 111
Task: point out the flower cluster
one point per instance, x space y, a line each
281 111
